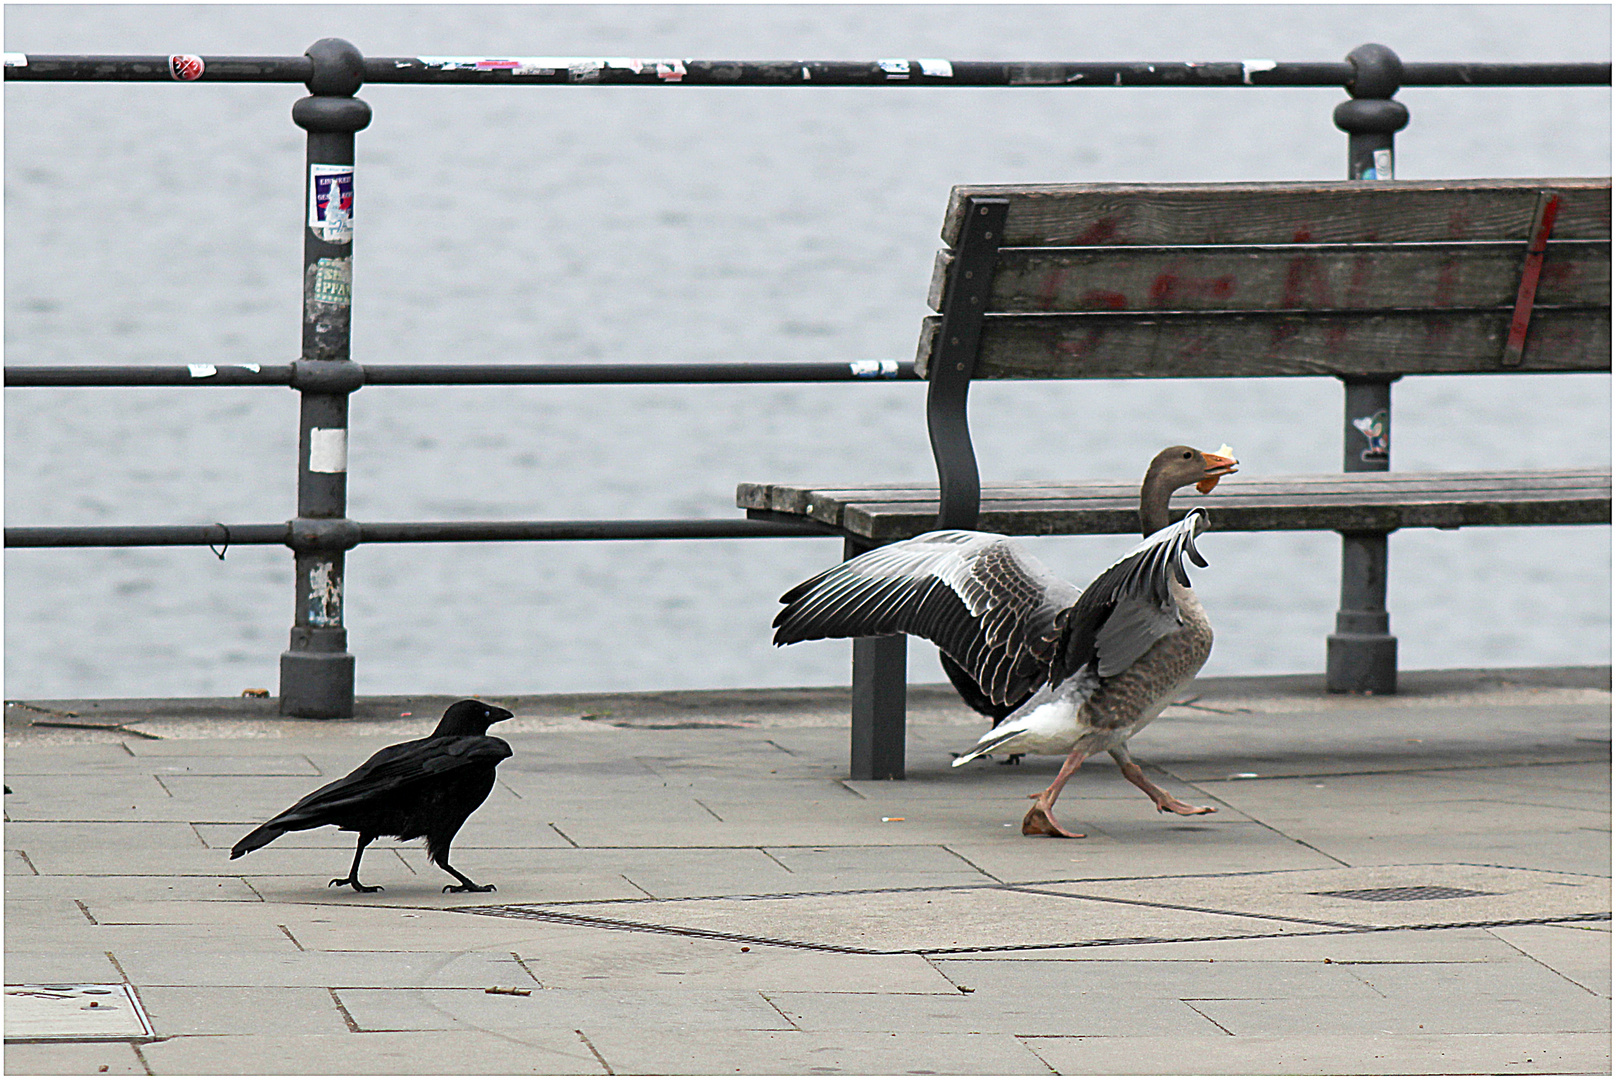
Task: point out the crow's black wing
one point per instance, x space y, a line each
389 771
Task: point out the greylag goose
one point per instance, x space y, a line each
1091 667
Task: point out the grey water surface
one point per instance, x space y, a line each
160 223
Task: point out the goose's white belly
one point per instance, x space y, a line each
1049 728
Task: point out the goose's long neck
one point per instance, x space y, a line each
1153 497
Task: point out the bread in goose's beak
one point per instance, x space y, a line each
1219 464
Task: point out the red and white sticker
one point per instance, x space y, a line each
185 67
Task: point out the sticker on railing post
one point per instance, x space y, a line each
328 450
333 282
325 595
1376 429
331 202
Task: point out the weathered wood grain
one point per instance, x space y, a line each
1368 502
1126 345
1310 277
1288 213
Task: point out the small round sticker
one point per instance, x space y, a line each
185 67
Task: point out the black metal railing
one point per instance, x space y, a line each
317 671
611 71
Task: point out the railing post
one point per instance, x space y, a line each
1361 656
317 671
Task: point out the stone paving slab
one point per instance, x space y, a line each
90 887
241 1010
72 1059
690 1009
1021 1015
881 1053
392 1053
1372 1055
674 845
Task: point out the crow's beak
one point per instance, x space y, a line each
1217 465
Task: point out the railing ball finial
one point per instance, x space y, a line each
1377 72
1370 117
338 68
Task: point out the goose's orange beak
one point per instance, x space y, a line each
1217 465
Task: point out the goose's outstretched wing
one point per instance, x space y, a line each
978 596
1130 606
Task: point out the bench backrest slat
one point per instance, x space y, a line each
1375 344
1319 212
1355 280
1314 277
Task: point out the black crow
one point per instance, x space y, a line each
427 787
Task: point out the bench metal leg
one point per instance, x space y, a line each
880 670
1361 656
880 678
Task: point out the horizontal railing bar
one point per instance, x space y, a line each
410 532
149 375
716 372
144 535
596 71
416 532
465 374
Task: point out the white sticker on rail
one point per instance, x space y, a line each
328 450
1248 68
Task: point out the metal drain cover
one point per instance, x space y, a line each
78 1012
1406 892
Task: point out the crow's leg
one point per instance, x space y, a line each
353 872
466 884
1164 802
1040 820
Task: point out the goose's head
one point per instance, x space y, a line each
1181 466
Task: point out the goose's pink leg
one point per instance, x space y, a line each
1040 820
1164 802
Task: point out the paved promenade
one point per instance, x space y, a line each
687 883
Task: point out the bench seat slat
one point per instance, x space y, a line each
1287 213
1128 345
1313 277
1346 501
756 495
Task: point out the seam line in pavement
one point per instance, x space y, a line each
516 911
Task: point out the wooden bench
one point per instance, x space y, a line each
1366 282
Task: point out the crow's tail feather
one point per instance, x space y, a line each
256 839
